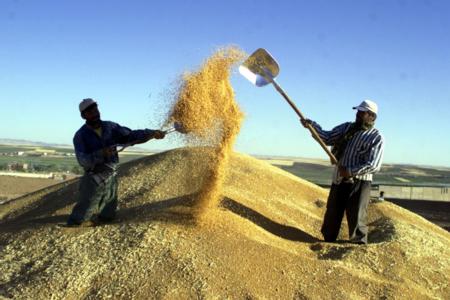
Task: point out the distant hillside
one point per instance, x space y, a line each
16 142
30 143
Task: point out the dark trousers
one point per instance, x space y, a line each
94 198
353 199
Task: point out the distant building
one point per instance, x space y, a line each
412 192
15 166
34 154
45 151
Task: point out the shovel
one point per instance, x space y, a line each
260 68
176 127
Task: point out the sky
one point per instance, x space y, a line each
332 55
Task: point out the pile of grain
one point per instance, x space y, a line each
264 243
206 108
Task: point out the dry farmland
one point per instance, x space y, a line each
13 186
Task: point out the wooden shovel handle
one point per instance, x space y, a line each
299 113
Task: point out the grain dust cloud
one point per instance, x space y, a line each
205 105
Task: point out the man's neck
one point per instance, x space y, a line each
364 125
94 125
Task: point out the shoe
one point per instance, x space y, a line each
76 224
358 242
73 223
102 219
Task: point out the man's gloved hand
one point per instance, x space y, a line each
305 122
158 134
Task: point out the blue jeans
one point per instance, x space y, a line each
95 198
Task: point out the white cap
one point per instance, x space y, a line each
86 103
367 105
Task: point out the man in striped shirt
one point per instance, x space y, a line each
358 147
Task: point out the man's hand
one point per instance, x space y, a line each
158 134
344 172
305 122
109 151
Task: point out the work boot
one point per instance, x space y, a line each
72 223
75 224
102 219
358 242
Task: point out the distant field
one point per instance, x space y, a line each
52 163
57 161
13 187
389 174
315 170
319 174
14 148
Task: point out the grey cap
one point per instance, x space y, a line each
85 103
367 105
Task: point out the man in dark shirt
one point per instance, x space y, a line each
96 151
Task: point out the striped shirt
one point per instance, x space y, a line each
363 154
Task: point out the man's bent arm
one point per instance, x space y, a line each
330 137
86 160
127 136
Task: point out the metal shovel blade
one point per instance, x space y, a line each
260 68
178 127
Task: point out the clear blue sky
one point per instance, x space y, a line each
332 54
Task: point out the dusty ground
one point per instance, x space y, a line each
263 242
13 187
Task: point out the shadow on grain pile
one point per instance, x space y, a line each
280 230
162 187
181 173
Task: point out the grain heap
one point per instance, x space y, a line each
206 108
264 243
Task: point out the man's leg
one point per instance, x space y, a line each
109 205
89 195
334 213
356 211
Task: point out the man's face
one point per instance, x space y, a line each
91 114
365 117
